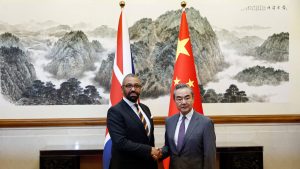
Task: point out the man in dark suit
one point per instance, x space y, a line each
190 139
131 129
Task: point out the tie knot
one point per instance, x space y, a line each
136 105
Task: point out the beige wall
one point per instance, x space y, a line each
19 147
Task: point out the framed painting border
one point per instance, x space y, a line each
67 122
221 114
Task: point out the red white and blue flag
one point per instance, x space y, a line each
123 65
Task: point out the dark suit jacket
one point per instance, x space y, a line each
199 145
131 147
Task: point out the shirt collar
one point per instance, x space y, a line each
188 116
130 103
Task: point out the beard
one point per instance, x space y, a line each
133 96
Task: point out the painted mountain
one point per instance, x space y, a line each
69 58
72 55
274 49
49 63
17 72
154 50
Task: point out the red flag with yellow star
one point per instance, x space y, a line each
184 68
184 71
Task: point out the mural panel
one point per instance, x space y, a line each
60 52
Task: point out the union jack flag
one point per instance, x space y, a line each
123 65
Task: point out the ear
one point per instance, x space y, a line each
122 89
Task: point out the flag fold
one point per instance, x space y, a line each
123 65
184 71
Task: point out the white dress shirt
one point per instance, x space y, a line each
131 104
187 122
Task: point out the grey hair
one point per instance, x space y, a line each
182 86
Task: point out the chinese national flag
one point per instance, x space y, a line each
184 71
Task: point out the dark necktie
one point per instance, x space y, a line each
181 133
142 118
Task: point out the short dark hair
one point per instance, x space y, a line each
181 86
129 75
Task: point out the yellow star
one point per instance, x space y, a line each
181 47
176 81
190 83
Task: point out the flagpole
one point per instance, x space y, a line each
122 4
172 107
184 70
122 66
183 5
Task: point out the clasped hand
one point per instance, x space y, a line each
156 153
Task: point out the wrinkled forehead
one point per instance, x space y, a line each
183 92
131 80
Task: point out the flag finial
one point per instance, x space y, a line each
183 4
122 4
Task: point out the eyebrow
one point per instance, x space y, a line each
184 96
133 83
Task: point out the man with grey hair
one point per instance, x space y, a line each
190 139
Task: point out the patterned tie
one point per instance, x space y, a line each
181 133
142 118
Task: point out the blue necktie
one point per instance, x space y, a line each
181 133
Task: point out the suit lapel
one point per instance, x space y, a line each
132 114
191 127
172 128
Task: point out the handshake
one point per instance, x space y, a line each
156 153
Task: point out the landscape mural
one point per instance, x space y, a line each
51 62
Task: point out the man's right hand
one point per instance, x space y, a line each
156 153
